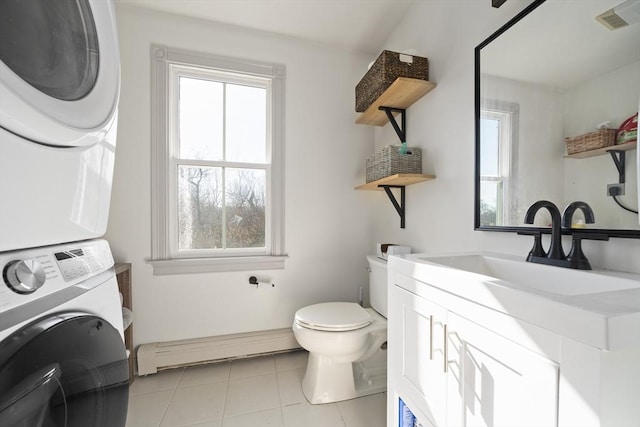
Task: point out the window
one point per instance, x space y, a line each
498 133
217 163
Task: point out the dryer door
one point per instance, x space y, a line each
59 70
64 370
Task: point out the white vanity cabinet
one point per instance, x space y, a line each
495 381
469 360
417 337
451 371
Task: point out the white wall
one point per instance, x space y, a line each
328 224
440 212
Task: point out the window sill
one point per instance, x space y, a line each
216 265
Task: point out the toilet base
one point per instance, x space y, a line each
326 381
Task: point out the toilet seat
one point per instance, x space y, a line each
333 317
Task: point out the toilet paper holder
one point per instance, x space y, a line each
253 280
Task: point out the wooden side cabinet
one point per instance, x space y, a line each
123 276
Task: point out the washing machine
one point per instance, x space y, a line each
59 91
63 361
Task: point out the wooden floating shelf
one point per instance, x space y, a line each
602 151
402 93
400 179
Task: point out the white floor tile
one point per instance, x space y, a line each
205 374
217 423
243 368
253 394
260 392
368 411
294 360
197 404
290 387
163 380
307 415
147 410
270 418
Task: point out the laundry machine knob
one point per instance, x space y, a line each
24 277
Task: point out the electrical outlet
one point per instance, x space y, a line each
615 189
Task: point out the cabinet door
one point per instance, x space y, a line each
420 326
493 381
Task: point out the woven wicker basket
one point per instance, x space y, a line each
591 141
389 161
384 71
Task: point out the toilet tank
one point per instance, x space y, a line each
378 284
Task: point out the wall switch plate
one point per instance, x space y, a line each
615 189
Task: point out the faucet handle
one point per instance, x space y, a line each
537 250
576 257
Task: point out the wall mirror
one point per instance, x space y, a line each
554 71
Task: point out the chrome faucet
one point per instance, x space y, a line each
555 249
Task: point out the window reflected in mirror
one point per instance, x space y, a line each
497 124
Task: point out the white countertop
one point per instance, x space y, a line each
604 319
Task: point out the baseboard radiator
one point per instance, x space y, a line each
165 355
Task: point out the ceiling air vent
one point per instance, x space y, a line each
624 14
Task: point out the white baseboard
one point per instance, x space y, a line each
157 356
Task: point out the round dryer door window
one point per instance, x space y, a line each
52 45
66 370
59 70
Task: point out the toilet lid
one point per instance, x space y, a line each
333 316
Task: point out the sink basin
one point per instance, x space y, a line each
516 273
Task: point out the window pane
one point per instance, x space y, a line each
491 203
490 147
201 131
200 207
245 200
246 124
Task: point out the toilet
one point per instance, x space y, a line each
346 343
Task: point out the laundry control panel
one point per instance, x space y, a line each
78 263
33 273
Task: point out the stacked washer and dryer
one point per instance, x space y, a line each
62 355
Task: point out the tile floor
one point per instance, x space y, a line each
258 392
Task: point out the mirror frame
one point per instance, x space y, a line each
624 233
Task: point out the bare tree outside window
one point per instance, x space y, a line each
200 208
245 211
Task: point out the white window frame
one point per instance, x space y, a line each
507 115
167 65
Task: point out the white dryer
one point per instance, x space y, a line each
59 90
62 356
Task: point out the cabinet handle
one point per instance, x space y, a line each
431 337
445 350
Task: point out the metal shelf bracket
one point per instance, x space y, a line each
618 157
402 129
400 207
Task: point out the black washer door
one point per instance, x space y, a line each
65 370
52 45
